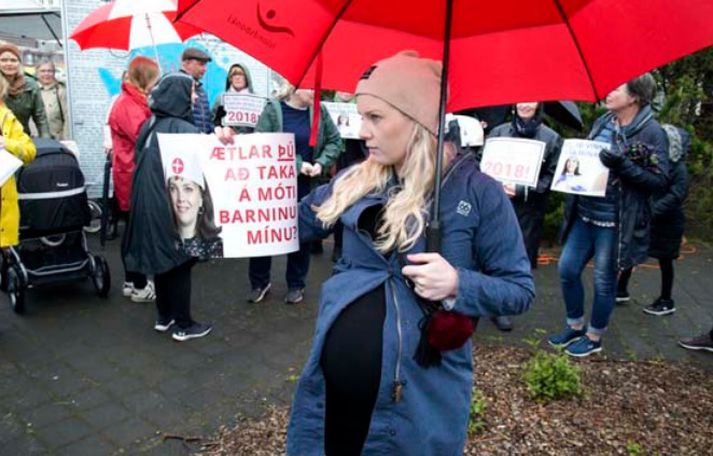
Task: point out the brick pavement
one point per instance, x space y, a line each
82 375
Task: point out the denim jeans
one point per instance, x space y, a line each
297 262
587 241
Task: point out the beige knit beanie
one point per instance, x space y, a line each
408 83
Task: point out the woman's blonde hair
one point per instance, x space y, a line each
4 86
285 90
404 216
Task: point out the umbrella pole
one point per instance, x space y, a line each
153 42
434 228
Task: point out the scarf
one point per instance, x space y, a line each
17 84
527 128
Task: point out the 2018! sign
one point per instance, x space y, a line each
242 109
513 160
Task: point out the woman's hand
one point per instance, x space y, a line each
316 170
510 189
224 134
434 277
306 169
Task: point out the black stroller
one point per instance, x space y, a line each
53 211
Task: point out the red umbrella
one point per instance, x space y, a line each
130 25
494 52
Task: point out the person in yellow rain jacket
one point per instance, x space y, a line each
15 141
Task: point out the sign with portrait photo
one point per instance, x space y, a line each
242 109
346 117
579 170
513 160
241 197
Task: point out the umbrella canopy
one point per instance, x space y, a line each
501 52
132 24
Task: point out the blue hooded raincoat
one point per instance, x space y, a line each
482 239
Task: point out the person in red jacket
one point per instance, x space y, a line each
128 114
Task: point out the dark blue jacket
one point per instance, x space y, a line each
631 183
481 238
202 115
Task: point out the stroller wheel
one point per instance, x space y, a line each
101 277
15 291
95 224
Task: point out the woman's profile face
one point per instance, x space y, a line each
186 200
9 64
526 111
619 99
385 130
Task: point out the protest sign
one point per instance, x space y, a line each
579 170
8 165
251 187
513 160
242 109
346 117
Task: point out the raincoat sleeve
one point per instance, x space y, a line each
310 227
501 283
549 166
330 141
19 144
677 192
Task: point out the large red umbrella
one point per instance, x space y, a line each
495 51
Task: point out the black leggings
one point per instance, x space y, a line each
173 294
666 265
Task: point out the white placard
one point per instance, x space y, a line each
8 165
579 170
242 109
252 185
346 117
513 160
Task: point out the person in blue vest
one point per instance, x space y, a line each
194 62
612 230
365 389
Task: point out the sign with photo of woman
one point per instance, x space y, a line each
346 118
232 201
579 170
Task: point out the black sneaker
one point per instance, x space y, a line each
163 324
622 297
194 331
661 307
702 342
503 323
294 295
258 294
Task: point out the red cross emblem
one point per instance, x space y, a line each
177 166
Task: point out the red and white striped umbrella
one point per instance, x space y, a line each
131 24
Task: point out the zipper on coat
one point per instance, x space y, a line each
397 385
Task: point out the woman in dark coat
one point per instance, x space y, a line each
530 204
667 223
153 245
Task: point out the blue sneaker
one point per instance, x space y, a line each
566 337
583 347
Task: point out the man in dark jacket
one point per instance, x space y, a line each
612 230
194 62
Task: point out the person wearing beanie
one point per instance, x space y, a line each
390 370
612 230
23 97
530 204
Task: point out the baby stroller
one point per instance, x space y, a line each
53 211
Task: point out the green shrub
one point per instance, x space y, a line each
634 449
551 376
476 422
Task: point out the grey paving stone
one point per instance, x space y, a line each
64 432
106 415
93 445
89 398
26 445
46 414
130 432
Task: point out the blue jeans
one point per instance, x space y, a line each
297 262
587 241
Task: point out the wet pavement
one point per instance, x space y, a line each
84 375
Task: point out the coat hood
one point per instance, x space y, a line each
172 97
248 77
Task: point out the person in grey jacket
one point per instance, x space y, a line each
612 230
530 204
